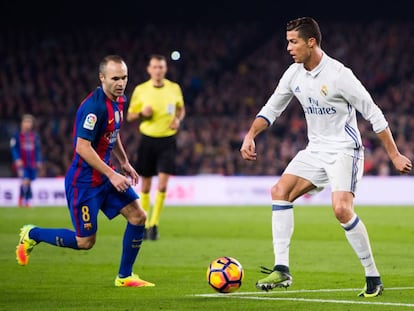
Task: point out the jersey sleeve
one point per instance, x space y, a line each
89 118
279 100
15 147
135 105
357 96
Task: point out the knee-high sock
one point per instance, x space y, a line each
24 189
357 235
145 204
29 194
282 230
158 206
57 237
131 245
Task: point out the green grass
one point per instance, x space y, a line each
190 237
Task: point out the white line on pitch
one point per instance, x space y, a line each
326 290
245 295
394 304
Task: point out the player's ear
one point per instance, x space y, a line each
101 77
311 42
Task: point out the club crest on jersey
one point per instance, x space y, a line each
90 121
324 90
117 117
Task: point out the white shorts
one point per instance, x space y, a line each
341 170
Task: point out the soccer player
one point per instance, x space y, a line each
25 149
158 104
92 183
330 95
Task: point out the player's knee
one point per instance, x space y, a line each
138 218
279 192
342 212
86 242
135 214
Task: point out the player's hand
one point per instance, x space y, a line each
19 163
146 112
175 124
120 182
248 149
131 173
402 164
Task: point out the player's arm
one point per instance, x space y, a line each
122 157
401 162
15 151
354 92
136 110
85 150
248 148
179 117
179 108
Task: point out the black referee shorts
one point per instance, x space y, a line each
156 155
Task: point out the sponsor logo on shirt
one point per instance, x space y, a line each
297 89
314 108
90 121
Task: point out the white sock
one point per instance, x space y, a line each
282 230
357 236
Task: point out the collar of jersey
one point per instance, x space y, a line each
320 66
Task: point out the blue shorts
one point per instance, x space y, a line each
28 173
84 204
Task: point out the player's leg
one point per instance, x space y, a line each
83 207
127 204
146 167
158 205
284 192
30 177
357 236
145 199
166 150
25 190
303 174
346 172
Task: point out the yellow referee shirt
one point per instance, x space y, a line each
163 101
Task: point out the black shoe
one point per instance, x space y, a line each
153 233
373 287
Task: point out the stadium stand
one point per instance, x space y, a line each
227 72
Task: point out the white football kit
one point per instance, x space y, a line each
330 95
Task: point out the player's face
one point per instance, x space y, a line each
27 125
157 69
298 48
114 79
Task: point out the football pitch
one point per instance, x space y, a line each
326 272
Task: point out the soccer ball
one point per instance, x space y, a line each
225 274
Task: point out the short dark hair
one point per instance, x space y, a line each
157 57
107 59
307 28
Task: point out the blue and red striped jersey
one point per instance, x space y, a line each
26 146
98 120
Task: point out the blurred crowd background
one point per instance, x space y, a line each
227 71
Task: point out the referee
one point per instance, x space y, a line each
158 104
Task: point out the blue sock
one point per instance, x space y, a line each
131 245
57 237
24 189
29 194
